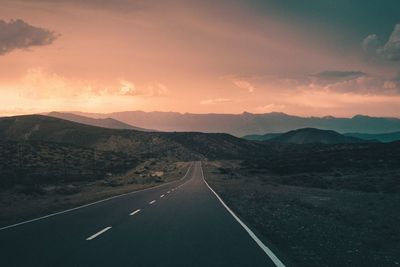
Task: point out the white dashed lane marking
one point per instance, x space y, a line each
98 233
136 211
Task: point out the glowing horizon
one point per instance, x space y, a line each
199 57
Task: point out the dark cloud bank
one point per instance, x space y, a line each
17 34
389 51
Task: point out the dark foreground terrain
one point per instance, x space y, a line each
38 178
322 205
49 164
316 204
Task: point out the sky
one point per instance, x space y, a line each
307 58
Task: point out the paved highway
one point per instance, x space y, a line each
178 224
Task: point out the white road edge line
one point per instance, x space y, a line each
98 233
152 202
136 211
267 251
93 203
162 196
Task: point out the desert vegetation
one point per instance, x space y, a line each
38 177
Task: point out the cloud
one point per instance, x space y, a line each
215 101
337 75
390 51
328 78
356 82
39 83
157 89
327 101
128 88
244 85
17 34
117 5
366 85
370 44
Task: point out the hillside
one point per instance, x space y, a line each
105 123
248 123
311 136
261 137
383 137
144 144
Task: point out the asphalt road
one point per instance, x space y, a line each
177 224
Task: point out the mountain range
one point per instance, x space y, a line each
190 145
38 147
248 123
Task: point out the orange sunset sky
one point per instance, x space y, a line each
337 58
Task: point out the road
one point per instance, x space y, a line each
178 224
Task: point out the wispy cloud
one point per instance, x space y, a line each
39 83
242 84
157 89
356 82
17 34
327 78
128 88
339 74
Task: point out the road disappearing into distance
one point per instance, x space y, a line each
183 223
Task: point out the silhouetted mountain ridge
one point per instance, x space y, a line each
248 123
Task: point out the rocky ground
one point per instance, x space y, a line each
313 226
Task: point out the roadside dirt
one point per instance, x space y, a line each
312 226
21 203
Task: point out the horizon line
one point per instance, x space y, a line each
81 113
